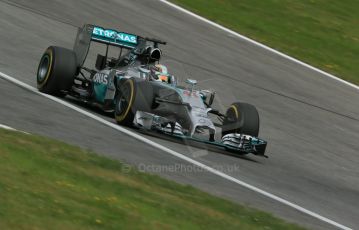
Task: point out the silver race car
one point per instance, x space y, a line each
143 94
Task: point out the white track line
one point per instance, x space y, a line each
7 127
258 44
174 153
10 128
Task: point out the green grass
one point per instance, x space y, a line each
323 33
46 184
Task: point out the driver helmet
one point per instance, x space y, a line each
159 73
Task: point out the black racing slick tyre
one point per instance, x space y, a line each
56 71
132 95
241 118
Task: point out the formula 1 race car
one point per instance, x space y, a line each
143 94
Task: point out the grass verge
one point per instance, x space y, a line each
48 184
323 33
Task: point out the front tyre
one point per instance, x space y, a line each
56 71
124 100
132 95
241 118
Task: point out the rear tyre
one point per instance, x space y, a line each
56 71
132 95
241 118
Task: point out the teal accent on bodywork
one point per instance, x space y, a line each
100 89
100 92
114 37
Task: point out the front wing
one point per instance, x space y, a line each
233 142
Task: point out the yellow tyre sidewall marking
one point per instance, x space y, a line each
123 116
49 52
235 111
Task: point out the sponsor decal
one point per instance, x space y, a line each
113 34
100 78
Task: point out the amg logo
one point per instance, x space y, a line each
100 78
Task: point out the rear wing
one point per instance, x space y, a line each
113 37
89 33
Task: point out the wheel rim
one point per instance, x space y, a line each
232 114
231 120
123 99
43 68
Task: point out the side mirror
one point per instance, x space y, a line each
191 82
100 62
208 96
211 98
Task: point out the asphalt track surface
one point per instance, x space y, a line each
310 121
